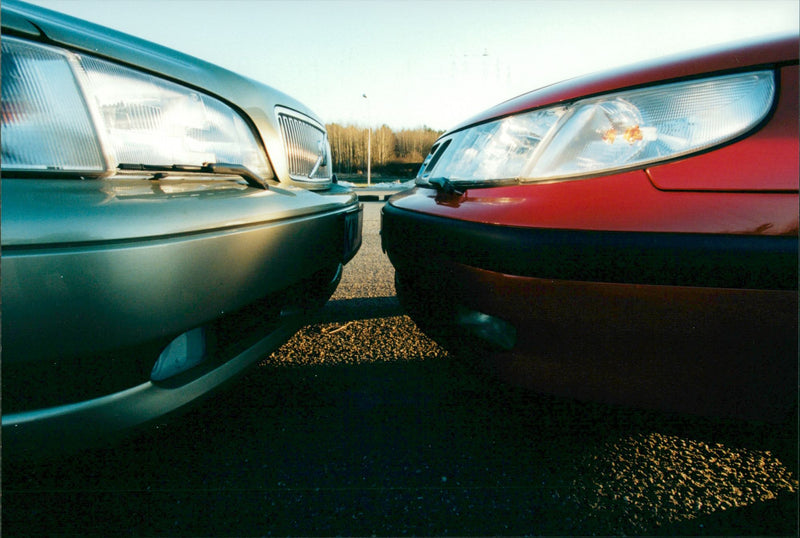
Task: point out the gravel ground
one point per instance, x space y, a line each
360 425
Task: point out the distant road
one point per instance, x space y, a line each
379 192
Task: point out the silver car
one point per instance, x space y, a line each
165 224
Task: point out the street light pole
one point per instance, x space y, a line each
369 143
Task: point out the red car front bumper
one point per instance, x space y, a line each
701 323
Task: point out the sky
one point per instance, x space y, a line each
428 63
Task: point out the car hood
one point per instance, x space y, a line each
255 99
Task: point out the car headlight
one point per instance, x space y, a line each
604 134
71 113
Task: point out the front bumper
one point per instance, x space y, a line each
671 259
664 321
84 322
63 428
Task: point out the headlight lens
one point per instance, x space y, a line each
607 133
67 112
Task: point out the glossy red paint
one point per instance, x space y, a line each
687 349
622 202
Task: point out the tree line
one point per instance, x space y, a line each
394 154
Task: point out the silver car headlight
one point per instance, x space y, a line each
66 112
604 134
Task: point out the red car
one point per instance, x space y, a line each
630 237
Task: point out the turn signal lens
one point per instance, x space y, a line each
46 123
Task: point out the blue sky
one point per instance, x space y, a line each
433 62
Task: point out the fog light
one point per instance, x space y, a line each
186 351
493 330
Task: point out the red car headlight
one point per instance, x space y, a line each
604 134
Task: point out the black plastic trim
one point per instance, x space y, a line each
674 259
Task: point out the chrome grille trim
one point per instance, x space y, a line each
306 145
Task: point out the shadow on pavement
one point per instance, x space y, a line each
417 447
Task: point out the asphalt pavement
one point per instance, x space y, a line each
360 426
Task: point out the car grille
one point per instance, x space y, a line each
307 150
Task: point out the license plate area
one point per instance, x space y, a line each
353 222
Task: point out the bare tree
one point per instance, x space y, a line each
392 153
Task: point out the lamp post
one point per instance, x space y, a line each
369 143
